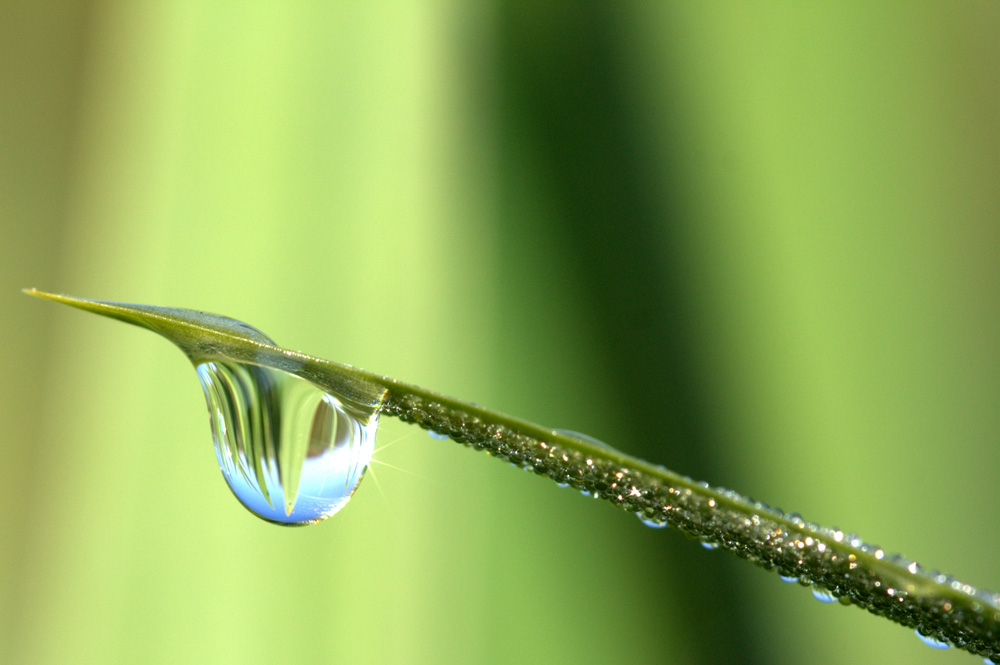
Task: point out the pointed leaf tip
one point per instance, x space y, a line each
203 337
187 328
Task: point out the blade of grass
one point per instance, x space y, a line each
934 604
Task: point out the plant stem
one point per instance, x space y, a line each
934 604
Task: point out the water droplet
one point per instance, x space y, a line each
934 643
291 452
437 435
788 578
585 437
822 595
653 524
710 546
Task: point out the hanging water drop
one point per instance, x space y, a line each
710 546
437 435
934 643
788 578
822 595
291 452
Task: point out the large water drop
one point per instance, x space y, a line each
291 452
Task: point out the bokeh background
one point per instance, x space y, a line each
757 243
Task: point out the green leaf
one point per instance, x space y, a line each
934 604
205 337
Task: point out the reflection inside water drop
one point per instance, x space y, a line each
291 452
822 595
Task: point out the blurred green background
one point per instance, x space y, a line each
756 243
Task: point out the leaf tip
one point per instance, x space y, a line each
57 297
47 296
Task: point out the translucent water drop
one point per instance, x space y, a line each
437 435
822 595
291 452
788 578
653 524
934 643
710 546
585 437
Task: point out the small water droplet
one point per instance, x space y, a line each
710 546
437 435
788 578
291 452
653 524
822 595
563 484
585 437
934 643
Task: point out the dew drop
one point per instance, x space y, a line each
437 435
934 643
585 437
822 595
788 578
710 546
653 524
291 452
